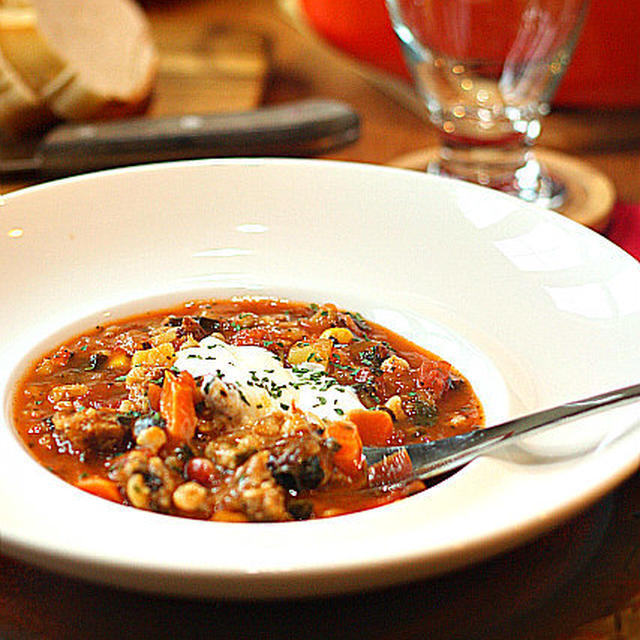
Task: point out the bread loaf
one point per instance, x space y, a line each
81 59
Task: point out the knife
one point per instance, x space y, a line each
304 128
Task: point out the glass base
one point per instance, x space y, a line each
589 194
529 181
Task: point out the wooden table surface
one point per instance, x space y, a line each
583 570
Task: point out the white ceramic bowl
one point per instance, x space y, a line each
532 308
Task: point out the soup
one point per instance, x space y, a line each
243 410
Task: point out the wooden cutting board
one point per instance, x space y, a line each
224 69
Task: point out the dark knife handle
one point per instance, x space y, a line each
302 128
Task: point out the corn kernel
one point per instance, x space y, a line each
118 360
152 438
341 334
318 352
161 356
189 496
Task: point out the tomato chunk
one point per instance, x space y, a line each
391 469
433 375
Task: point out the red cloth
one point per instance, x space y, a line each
624 227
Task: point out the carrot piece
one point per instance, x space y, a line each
375 426
348 458
153 396
177 406
100 487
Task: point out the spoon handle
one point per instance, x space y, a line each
434 458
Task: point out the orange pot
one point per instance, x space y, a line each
605 71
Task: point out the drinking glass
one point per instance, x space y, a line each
486 71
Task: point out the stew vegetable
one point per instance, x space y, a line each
239 410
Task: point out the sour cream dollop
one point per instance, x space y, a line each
263 383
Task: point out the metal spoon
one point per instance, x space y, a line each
434 458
